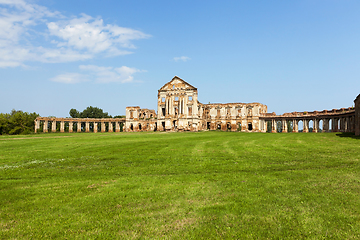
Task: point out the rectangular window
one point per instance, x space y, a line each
163 112
163 99
190 98
190 110
176 98
131 114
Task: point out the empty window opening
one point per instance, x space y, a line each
208 125
163 99
131 127
250 127
176 98
239 127
139 126
163 111
228 126
190 98
173 86
163 125
190 110
131 114
174 124
219 126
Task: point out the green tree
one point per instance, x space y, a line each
17 122
119 116
94 112
74 113
89 112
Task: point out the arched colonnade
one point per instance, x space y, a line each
336 120
81 124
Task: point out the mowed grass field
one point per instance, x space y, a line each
206 185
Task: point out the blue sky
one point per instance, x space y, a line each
290 55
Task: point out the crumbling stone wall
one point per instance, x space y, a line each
180 110
232 116
138 119
357 115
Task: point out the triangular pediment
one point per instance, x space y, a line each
177 83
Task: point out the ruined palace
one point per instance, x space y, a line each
178 109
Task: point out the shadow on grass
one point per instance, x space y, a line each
348 135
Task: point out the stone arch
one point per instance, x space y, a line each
228 126
311 125
300 125
250 126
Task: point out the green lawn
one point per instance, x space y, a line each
206 185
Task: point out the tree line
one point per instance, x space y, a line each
19 122
91 112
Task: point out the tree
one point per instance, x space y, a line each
17 122
89 112
119 116
74 113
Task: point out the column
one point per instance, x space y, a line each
95 127
305 125
273 126
284 126
342 124
53 126
295 125
171 110
166 106
62 126
346 124
325 125
78 126
334 125
316 125
110 127
71 124
117 127
45 127
102 126
37 125
87 127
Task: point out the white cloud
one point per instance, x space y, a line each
30 32
70 78
109 74
87 33
182 58
99 74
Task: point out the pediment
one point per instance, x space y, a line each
177 83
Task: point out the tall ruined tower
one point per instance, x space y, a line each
178 106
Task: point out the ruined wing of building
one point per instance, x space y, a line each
178 109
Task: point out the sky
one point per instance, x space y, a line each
56 55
